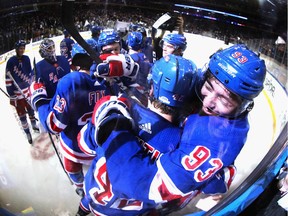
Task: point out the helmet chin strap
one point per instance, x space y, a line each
242 111
245 109
19 56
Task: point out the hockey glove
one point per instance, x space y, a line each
37 93
118 66
13 100
111 113
221 182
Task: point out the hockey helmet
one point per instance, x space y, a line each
66 33
142 30
135 40
47 50
76 49
80 57
173 79
20 43
177 40
96 30
107 38
92 43
133 27
240 70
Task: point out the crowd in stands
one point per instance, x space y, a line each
40 23
47 23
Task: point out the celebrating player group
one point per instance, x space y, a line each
154 131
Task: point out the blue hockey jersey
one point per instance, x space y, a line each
70 109
131 184
20 69
144 68
148 50
50 74
152 137
208 143
150 129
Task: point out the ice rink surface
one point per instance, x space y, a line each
32 180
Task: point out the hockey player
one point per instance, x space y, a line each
140 88
51 68
18 76
70 109
173 44
158 48
95 32
147 47
123 33
109 43
211 139
66 45
177 78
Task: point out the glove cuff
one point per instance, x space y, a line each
39 102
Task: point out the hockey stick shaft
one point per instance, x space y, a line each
18 88
4 92
55 149
34 69
68 23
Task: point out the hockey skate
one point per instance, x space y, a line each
81 212
29 138
35 127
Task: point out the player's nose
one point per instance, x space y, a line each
209 102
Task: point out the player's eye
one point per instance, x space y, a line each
106 51
208 86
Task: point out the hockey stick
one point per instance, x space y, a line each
4 92
68 23
34 69
18 88
55 149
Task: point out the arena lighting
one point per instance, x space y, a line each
213 11
207 17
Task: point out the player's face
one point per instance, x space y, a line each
20 50
112 48
217 100
51 49
167 49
